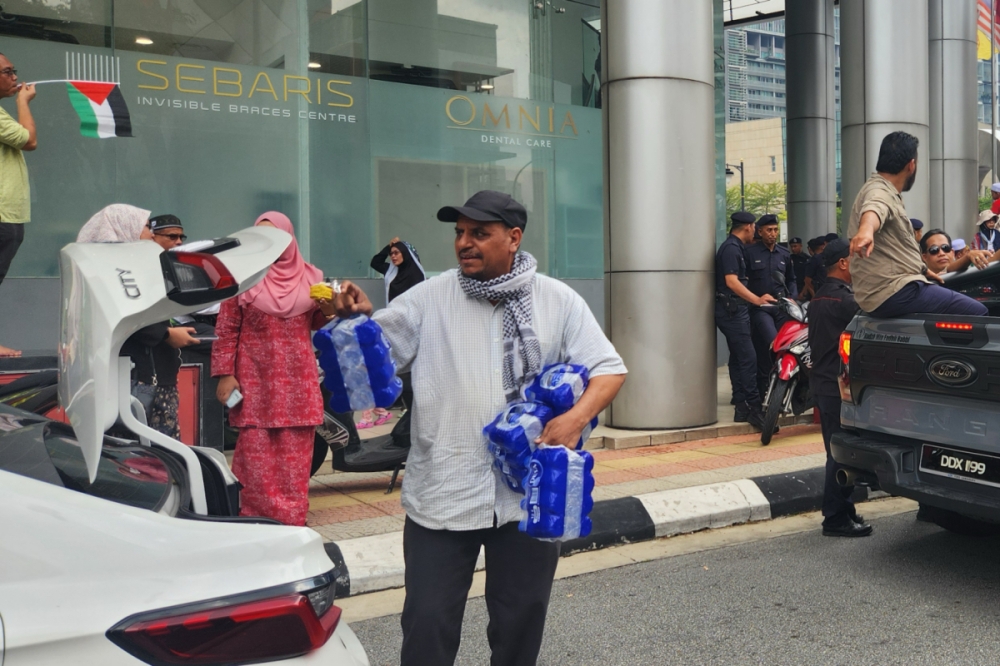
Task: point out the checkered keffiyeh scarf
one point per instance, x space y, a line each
514 290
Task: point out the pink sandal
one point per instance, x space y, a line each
366 420
382 416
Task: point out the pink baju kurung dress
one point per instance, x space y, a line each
272 358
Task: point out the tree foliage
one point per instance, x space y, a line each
761 199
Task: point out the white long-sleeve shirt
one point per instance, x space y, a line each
453 346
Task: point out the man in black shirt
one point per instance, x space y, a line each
764 259
799 261
731 316
830 312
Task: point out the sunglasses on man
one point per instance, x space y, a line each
934 249
174 237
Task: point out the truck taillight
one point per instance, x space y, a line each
844 377
845 347
248 629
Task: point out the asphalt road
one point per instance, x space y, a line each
910 594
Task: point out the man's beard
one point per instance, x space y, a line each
909 181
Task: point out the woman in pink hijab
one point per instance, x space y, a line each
265 351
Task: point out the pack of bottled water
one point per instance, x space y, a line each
559 386
511 439
357 363
558 494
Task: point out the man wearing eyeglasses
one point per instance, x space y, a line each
15 200
168 231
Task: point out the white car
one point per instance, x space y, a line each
119 545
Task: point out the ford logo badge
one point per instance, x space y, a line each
951 372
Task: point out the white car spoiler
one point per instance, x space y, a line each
111 290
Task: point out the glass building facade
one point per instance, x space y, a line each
357 119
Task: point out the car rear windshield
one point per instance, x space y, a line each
48 452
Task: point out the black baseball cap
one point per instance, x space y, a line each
794 239
917 224
741 218
488 206
767 219
165 222
832 236
816 242
834 251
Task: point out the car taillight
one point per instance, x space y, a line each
193 278
248 629
213 268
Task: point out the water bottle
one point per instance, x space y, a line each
511 437
357 362
558 498
559 386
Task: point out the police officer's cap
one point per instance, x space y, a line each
831 237
917 224
834 251
766 220
794 239
741 218
814 243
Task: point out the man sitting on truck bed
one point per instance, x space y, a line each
890 278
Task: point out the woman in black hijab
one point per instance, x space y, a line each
399 262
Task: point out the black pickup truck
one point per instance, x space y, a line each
921 409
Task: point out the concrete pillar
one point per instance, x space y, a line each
659 174
884 86
811 118
954 156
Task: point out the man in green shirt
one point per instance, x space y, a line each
16 136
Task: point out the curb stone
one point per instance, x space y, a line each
373 563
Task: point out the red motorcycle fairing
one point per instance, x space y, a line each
791 333
787 366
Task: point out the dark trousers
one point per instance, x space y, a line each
11 237
923 298
765 325
837 504
742 360
439 568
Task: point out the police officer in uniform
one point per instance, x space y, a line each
764 259
732 299
799 261
831 311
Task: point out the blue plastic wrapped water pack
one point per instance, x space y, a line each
511 439
559 387
357 362
558 494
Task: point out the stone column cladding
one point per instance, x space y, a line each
884 79
811 118
659 175
954 147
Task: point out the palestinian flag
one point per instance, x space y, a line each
101 107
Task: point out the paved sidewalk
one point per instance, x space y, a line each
627 463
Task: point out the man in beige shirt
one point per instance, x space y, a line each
889 277
16 136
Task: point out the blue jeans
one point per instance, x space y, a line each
924 298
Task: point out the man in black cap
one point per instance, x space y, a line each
918 228
473 338
799 261
814 268
830 312
732 300
766 261
168 231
